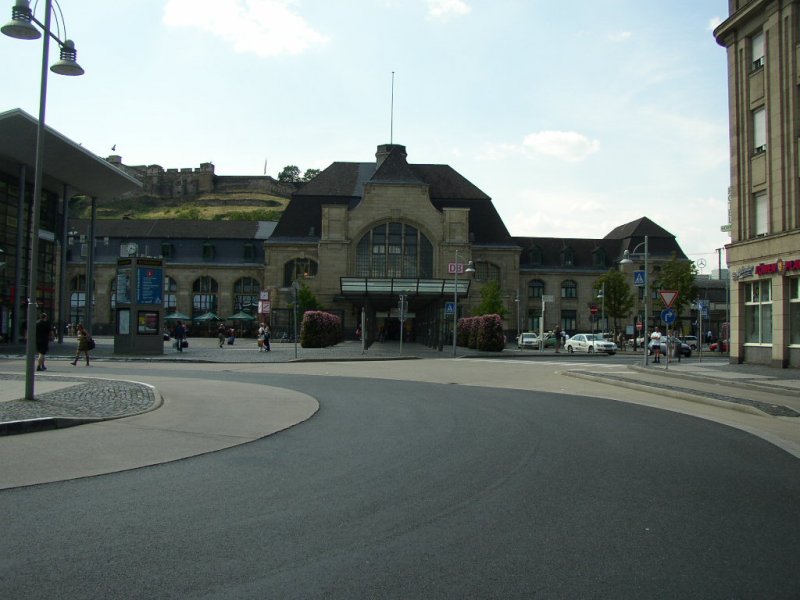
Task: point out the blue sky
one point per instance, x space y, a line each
575 117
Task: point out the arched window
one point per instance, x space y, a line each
394 250
569 289
486 271
299 268
77 299
245 295
204 295
536 288
170 295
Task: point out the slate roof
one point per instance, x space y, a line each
176 228
343 183
660 244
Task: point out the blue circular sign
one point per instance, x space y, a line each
668 315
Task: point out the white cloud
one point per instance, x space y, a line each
713 23
262 27
444 9
620 36
564 145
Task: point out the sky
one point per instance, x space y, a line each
574 117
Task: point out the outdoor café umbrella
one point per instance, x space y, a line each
177 316
241 316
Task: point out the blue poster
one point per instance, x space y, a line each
150 285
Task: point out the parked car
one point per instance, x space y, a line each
691 340
684 348
590 342
528 340
715 346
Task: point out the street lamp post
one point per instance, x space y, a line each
470 269
21 27
626 260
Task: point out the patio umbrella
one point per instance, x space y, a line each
177 316
241 316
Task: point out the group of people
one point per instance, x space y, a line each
46 334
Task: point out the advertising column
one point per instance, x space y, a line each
139 306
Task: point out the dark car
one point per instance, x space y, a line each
684 348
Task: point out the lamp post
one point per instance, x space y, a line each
21 27
470 269
626 260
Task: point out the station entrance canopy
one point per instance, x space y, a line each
382 287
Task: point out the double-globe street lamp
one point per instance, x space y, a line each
470 268
626 260
22 27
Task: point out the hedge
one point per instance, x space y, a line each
481 333
320 329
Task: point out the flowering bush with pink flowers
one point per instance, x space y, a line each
320 329
481 333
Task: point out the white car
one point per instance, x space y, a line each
527 340
590 342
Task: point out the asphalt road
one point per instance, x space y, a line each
416 490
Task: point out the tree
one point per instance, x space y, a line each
310 174
491 301
306 300
290 174
618 299
679 275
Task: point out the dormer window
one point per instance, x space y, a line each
209 252
567 257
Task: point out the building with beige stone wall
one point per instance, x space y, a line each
762 38
359 235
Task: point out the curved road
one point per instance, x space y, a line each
399 489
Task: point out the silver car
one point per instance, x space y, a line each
527 340
590 342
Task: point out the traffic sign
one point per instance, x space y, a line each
668 297
668 315
639 325
593 309
449 308
638 278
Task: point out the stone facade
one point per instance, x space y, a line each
762 38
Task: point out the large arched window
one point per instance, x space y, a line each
204 295
245 295
394 250
170 296
536 288
299 268
569 289
486 271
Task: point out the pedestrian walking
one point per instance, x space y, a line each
179 333
221 335
558 335
84 343
44 335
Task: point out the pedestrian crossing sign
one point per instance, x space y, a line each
638 278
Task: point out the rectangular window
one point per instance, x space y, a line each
167 250
761 214
794 311
757 50
759 131
569 320
249 253
758 312
208 251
